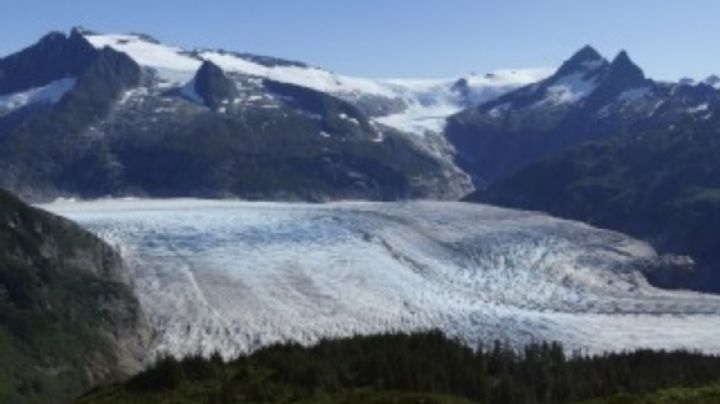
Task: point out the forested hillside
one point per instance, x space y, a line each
419 368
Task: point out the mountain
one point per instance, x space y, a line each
598 141
55 57
212 86
89 115
587 98
663 186
68 316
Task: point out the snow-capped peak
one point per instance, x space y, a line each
312 77
146 52
173 65
585 60
149 52
177 66
427 102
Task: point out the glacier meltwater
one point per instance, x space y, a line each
233 276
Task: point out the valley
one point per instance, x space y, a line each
184 223
233 276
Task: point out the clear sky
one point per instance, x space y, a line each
401 38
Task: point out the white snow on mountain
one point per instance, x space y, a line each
171 63
430 102
570 89
427 102
593 64
49 94
234 276
311 77
699 108
634 94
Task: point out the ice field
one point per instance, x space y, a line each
233 276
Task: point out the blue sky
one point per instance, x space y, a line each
402 38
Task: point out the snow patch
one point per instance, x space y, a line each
147 53
188 91
593 64
311 77
427 102
48 94
634 94
348 118
430 102
699 108
498 111
570 89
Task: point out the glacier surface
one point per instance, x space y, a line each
233 276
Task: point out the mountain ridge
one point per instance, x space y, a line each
586 99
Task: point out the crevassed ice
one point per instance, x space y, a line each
233 276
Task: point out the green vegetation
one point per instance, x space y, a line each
709 394
418 368
61 307
662 186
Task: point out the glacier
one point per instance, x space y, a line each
232 276
426 102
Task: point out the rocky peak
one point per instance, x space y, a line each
622 67
622 75
584 60
213 86
55 56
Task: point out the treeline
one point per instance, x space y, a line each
427 363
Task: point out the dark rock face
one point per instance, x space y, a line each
339 117
584 100
55 56
213 86
47 151
662 187
69 318
122 131
601 143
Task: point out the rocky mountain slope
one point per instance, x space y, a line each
663 187
127 115
68 318
598 141
587 98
